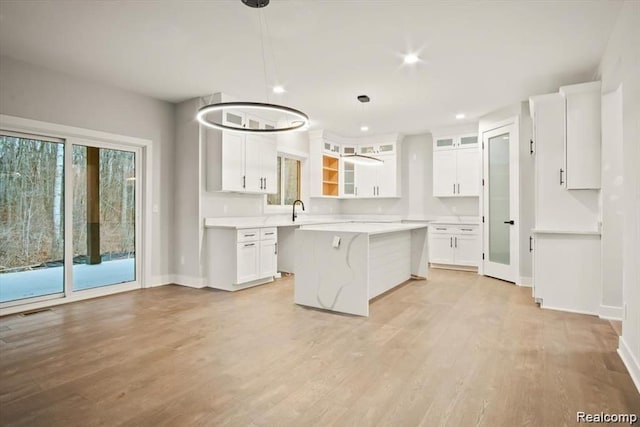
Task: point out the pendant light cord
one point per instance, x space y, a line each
264 60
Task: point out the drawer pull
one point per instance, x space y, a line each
249 235
466 229
438 228
269 234
249 244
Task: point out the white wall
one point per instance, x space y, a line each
621 65
417 199
36 93
613 200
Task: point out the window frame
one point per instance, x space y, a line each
293 155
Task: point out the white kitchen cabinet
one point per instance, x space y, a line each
456 173
454 245
254 260
567 270
331 176
582 137
378 180
268 258
240 163
247 258
455 141
555 208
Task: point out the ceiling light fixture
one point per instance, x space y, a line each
364 128
295 119
411 58
460 116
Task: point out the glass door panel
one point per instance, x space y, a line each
31 217
499 230
104 217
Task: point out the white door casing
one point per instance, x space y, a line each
500 240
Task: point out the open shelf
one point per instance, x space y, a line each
330 176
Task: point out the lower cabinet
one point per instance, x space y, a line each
454 245
567 271
253 262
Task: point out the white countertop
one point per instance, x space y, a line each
285 221
583 232
370 228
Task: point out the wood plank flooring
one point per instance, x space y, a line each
456 350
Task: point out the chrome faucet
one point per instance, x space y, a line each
295 215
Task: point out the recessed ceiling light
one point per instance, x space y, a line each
278 89
411 58
460 116
364 128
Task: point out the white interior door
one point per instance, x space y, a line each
500 203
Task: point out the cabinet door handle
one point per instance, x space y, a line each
275 248
450 242
265 182
249 244
244 181
530 244
561 180
531 146
458 188
454 188
374 190
249 235
456 239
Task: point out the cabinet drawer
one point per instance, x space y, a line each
248 235
270 233
466 229
441 229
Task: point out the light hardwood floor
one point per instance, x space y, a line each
457 350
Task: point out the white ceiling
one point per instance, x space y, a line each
476 56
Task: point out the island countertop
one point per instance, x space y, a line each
371 228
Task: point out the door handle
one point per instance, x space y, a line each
530 244
456 241
450 242
265 182
561 180
458 188
454 188
275 248
510 222
244 181
531 146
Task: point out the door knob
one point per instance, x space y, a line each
510 222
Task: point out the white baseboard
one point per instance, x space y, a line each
568 310
630 362
190 281
525 282
159 281
610 312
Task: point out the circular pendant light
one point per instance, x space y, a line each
290 119
299 120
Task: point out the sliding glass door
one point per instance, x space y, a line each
51 189
31 217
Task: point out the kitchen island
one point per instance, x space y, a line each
340 267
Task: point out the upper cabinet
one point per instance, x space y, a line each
582 136
456 166
332 176
245 163
456 141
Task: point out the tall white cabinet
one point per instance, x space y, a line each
456 166
565 242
